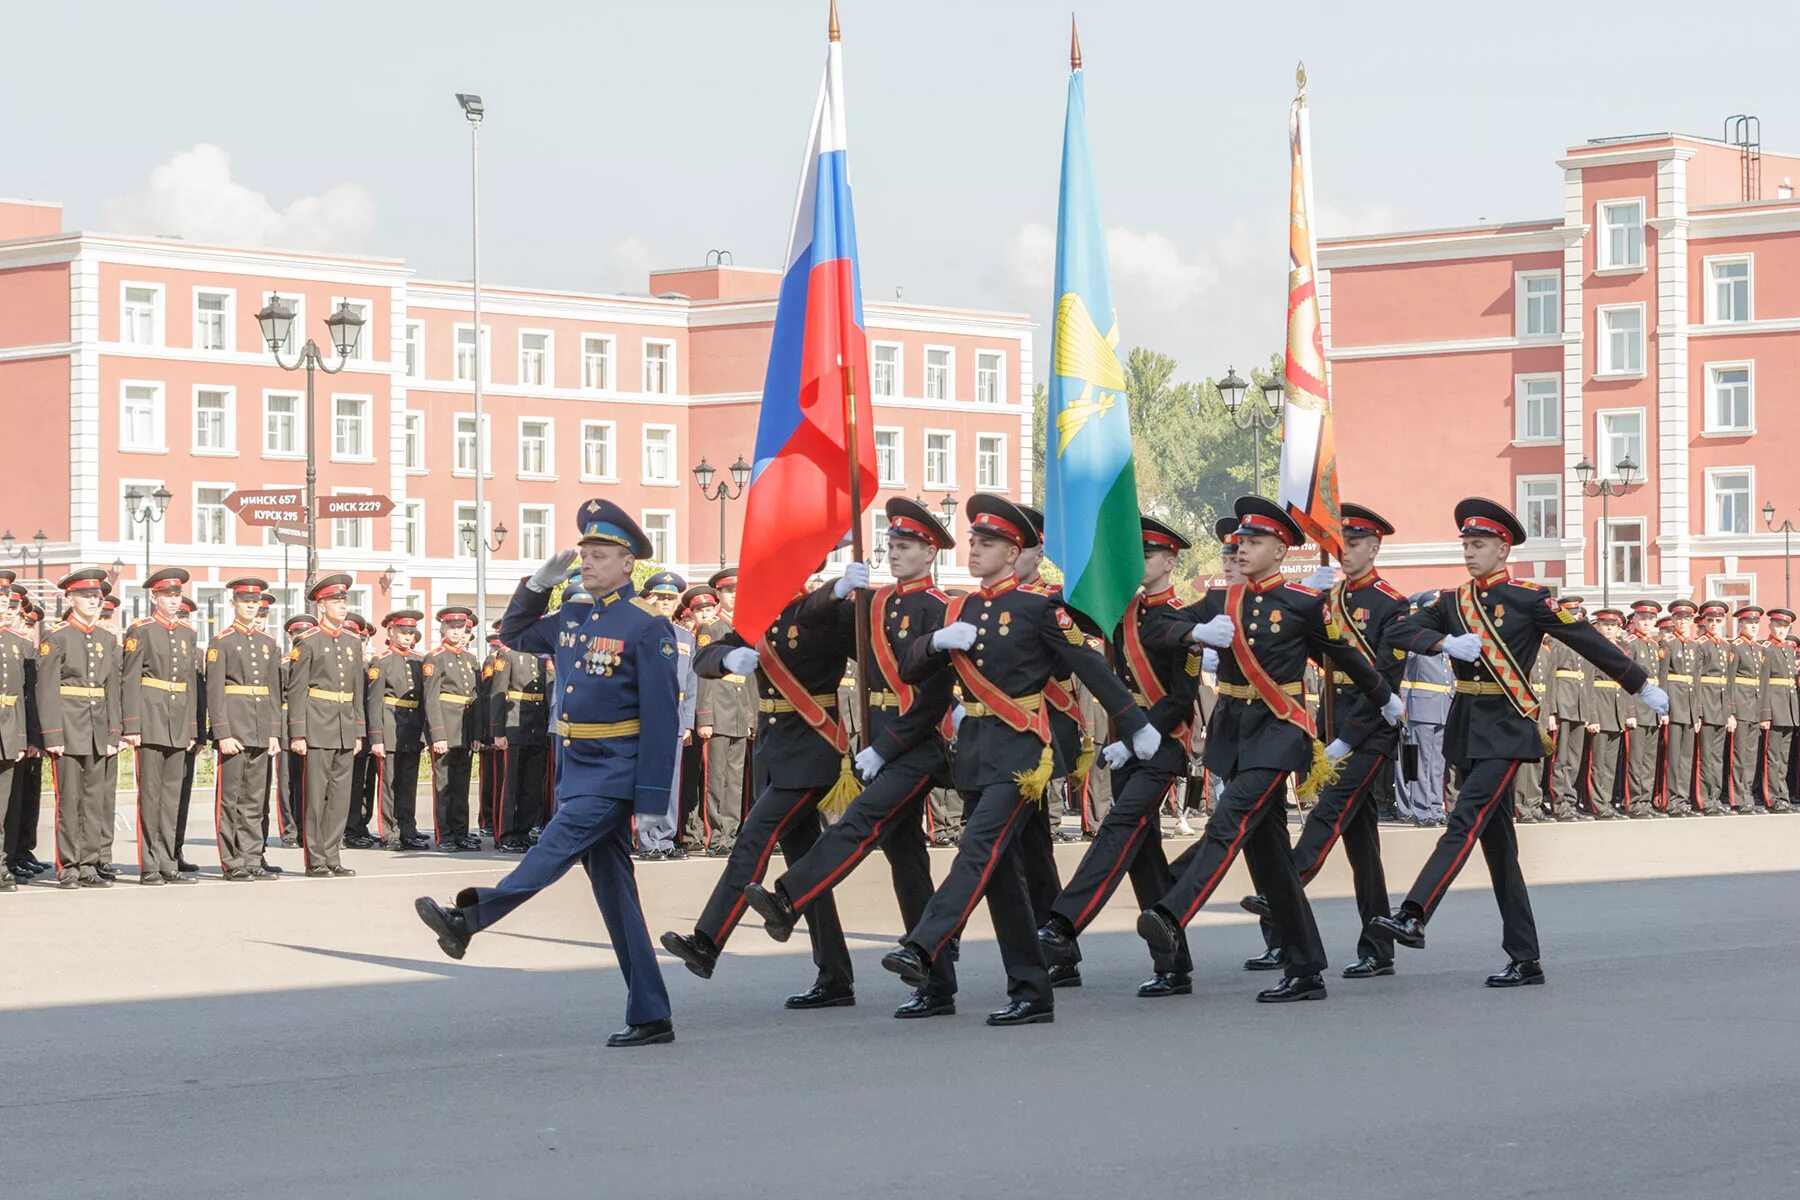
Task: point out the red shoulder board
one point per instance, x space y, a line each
937 595
1303 589
1389 590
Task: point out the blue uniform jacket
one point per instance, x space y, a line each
616 661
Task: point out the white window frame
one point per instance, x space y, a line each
159 416
408 417
1710 299
484 352
1521 435
1611 542
549 336
1000 483
229 531
401 510
299 450
549 424
899 349
1604 367
227 320
338 523
526 552
674 479
612 451
1708 381
948 485
999 357
899 477
1522 306
671 388
228 435
611 381
158 316
1712 515
949 396
484 444
413 336
1718 587
364 340
132 531
368 423
1604 470
1522 502
1604 227
296 332
644 516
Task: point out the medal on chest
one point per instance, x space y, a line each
905 621
603 655
1005 624
793 637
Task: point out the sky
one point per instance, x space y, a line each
622 137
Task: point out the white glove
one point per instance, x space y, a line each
856 575
1209 661
1393 710
956 719
1324 576
958 635
1115 755
1463 647
1216 633
555 568
1146 742
1339 748
869 763
741 660
1656 698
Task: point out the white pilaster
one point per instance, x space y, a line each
84 407
1574 414
1672 423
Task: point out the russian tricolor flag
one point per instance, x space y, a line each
798 506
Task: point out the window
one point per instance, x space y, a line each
659 368
465 353
351 533
1622 339
350 427
141 417
1735 590
212 320
412 528
140 315
1620 436
1538 401
1540 506
659 527
889 465
990 461
281 424
534 358
412 441
597 440
989 367
1728 403
415 350
212 520
365 336
534 447
213 410
884 371
534 532
1625 552
1727 290
659 454
1728 500
940 450
1621 235
466 442
1539 304
937 373
596 363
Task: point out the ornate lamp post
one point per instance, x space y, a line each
1258 418
724 492
1607 490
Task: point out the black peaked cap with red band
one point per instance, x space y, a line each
1258 516
169 579
1362 521
910 519
1225 529
996 516
330 587
403 618
247 585
1158 536
723 577
1479 517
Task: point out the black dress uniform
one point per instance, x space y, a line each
243 699
365 782
161 711
325 709
1680 678
1715 662
1781 709
519 711
290 768
1747 706
19 733
1489 737
396 720
452 717
82 718
1643 737
21 820
490 764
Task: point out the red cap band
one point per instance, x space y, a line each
333 592
989 523
1363 524
1153 538
1487 528
907 527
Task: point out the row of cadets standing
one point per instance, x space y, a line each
396 724
725 715
657 834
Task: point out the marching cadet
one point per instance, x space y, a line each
901 761
1569 701
1492 727
363 783
291 767
1746 710
19 733
1164 685
1609 710
1260 734
1680 679
396 723
1715 663
1781 710
451 720
326 724
725 722
243 698
1643 728
519 723
161 720
616 665
1004 758
1528 784
656 835
78 679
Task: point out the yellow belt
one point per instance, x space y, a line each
1674 678
597 729
732 678
1421 686
1774 682
324 694
1029 703
454 698
70 689
8 701
884 699
397 702
1563 674
246 689
1244 691
1479 687
1605 683
1751 681
779 705
163 685
1720 679
512 694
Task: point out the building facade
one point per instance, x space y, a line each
129 364
1655 320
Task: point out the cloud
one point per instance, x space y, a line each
193 196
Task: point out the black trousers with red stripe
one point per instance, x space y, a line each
788 817
889 813
1129 843
1251 816
525 796
989 863
1483 813
1347 810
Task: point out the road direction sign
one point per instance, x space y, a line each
348 506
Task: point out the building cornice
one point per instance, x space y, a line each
1716 223
1661 152
1459 346
1481 243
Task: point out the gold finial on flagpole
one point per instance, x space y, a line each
1074 45
1300 77
835 35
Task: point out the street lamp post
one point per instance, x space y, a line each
26 553
472 542
147 509
948 507
473 111
740 478
1607 490
1786 529
1259 418
345 326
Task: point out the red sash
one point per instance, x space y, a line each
885 658
1145 674
1280 703
822 722
1494 654
1016 716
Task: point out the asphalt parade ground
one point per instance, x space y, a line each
306 1038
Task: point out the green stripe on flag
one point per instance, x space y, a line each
1116 568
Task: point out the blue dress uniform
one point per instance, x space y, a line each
616 671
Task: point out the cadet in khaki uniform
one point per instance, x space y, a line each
1608 711
290 768
1643 728
1680 678
1781 711
519 719
161 710
451 721
243 697
1528 784
724 720
396 719
1715 660
326 724
79 707
365 785
1746 709
1570 698
19 732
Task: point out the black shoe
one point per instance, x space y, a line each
152 880
1065 975
360 841
1258 905
823 995
1518 974
269 868
779 917
1065 835
341 872
451 927
1159 930
450 846
8 882
97 881
1272 959
1057 941
483 831
718 852
468 843
237 875
698 952
1405 929
107 872
1294 987
922 1005
511 846
675 854
167 878
68 882
909 963
258 874
651 1033
417 841
318 872
1368 968
290 842
1166 983
1023 1012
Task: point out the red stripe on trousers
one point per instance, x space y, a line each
762 865
1469 842
1112 873
862 848
1337 827
987 873
56 809
1231 850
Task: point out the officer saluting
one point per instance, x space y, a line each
616 665
243 696
78 704
161 708
1493 627
326 723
